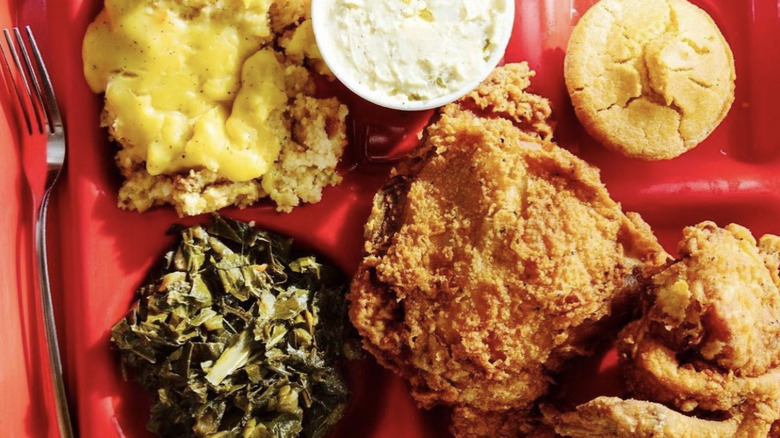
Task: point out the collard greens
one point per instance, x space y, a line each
235 337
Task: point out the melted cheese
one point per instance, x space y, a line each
190 84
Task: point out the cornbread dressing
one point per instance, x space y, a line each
199 94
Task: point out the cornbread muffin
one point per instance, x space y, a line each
213 104
650 79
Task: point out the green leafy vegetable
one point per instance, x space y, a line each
238 338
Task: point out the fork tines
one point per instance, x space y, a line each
29 82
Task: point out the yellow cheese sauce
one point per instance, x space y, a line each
190 84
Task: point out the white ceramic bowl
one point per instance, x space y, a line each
326 33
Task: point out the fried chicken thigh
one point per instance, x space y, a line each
492 256
708 343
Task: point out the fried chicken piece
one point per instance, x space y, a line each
719 310
474 423
617 418
708 342
492 256
658 374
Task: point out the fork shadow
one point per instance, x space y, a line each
28 302
33 339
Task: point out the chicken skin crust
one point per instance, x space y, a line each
704 357
492 255
718 307
617 418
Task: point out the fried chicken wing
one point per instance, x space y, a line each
708 343
617 418
492 256
712 333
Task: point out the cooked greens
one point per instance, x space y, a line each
237 337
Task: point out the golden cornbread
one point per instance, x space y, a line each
650 79
202 97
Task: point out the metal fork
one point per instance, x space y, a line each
39 100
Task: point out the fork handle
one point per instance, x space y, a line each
50 328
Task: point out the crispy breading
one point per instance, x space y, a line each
617 418
492 255
511 423
719 308
504 94
707 343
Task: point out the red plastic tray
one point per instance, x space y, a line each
104 252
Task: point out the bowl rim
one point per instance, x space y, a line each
319 16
